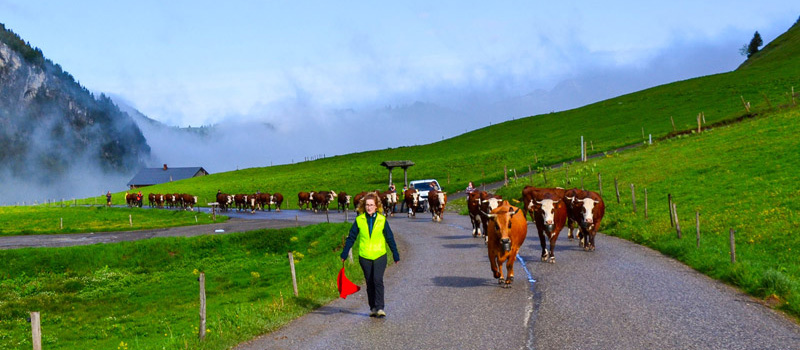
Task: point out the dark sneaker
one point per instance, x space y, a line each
380 313
374 313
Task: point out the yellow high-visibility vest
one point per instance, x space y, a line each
374 246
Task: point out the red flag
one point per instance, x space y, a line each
345 286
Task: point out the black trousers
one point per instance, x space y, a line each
373 274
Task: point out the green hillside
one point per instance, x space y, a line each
480 155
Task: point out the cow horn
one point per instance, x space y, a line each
597 201
515 212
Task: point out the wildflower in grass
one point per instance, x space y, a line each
255 275
195 271
293 239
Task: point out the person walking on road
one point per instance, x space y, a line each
373 233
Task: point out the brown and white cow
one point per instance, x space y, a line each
474 208
411 197
436 202
507 231
277 200
586 209
322 200
188 201
343 201
304 199
224 201
389 200
548 210
262 200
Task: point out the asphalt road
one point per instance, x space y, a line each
442 296
622 296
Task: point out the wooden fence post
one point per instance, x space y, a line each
616 188
327 218
36 330
733 247
544 174
697 225
600 184
793 101
505 176
530 171
746 104
677 224
633 197
130 219
294 276
645 202
671 216
202 280
62 223
699 126
673 123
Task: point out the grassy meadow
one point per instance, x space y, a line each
31 220
742 177
144 294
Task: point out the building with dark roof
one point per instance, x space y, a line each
155 176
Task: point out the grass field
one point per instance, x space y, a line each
144 294
742 177
53 219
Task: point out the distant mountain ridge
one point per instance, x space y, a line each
50 124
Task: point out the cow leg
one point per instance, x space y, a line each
543 242
571 225
510 267
553 239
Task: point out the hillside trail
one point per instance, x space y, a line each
622 296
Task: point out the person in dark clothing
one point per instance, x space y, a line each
373 233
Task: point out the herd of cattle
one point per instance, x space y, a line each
549 208
184 201
252 202
504 231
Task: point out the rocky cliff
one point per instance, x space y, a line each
50 124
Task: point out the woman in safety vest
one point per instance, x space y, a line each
373 234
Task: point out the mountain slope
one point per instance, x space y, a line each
51 125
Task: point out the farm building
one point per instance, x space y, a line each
155 176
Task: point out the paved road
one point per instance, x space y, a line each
622 296
442 296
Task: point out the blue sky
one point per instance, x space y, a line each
202 62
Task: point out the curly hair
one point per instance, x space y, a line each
371 195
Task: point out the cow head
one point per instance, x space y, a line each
547 208
501 219
585 207
347 199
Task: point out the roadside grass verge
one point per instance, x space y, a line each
144 294
49 220
742 177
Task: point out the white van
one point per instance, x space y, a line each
423 186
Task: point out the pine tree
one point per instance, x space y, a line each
755 43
